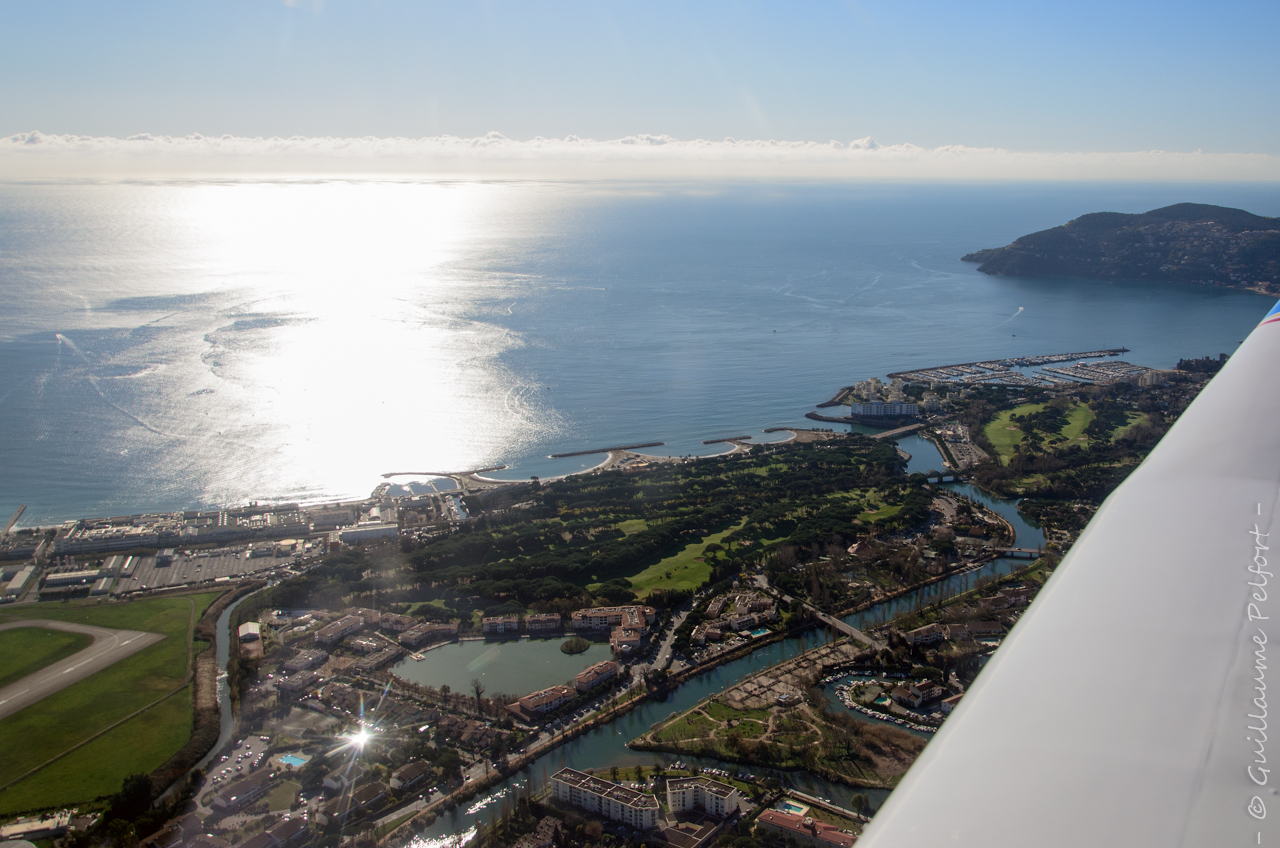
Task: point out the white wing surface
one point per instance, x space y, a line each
1131 705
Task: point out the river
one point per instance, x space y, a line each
607 746
224 690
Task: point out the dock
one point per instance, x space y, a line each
13 519
606 450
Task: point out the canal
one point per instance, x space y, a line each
606 746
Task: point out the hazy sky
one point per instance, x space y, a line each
1024 76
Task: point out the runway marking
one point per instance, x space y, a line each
106 650
14 695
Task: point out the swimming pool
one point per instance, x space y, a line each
760 631
793 808
293 760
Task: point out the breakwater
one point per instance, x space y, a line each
607 450
725 439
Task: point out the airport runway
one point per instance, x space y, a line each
109 646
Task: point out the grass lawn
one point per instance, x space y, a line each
745 729
722 712
29 649
1135 418
883 511
138 746
66 718
1003 439
634 525
687 726
283 795
681 570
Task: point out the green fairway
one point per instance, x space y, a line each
138 746
1135 418
1080 417
882 511
66 718
633 525
29 649
999 434
679 571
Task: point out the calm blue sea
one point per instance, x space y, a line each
173 345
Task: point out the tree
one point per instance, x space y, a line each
613 773
122 834
477 686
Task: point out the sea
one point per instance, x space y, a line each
180 345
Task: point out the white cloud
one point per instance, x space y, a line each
40 156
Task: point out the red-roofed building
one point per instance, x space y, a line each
806 831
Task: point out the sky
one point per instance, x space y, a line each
1032 79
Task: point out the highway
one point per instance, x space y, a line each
109 647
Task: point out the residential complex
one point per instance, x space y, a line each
702 793
547 700
610 800
334 633
595 675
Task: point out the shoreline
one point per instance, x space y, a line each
475 477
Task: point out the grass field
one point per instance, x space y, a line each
633 525
882 511
681 570
66 718
283 795
688 726
1080 417
1003 439
29 649
138 746
1135 418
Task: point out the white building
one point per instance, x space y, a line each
711 796
342 628
879 408
609 800
365 532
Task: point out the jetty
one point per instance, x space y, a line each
454 474
606 450
13 519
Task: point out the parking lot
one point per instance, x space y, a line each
199 567
248 754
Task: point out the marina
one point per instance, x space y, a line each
1004 372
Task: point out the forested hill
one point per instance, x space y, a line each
1186 242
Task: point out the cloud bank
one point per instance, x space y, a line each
36 155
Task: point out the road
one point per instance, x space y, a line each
109 647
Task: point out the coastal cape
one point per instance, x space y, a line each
1186 242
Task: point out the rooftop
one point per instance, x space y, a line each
607 789
715 787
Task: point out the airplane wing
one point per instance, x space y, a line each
1131 704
